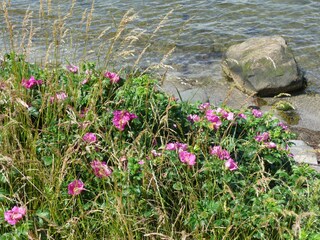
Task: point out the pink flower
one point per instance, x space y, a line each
257 113
271 145
114 78
204 106
141 162
88 72
31 82
262 137
85 81
83 112
219 152
59 97
100 169
90 137
242 115
225 114
171 146
121 118
231 164
3 86
193 118
230 116
181 146
187 158
75 187
14 215
155 153
284 127
213 118
177 146
72 68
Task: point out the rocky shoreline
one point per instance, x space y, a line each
305 128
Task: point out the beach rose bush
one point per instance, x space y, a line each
114 157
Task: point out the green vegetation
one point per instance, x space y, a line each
87 153
151 167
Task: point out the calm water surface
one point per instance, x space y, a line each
200 31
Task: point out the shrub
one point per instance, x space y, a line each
138 164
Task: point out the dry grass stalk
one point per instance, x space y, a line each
128 17
25 24
127 47
89 19
10 27
160 25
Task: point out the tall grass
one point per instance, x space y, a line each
153 192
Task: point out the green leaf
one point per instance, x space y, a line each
47 160
177 186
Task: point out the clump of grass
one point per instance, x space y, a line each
151 167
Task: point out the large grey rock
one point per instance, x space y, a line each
264 66
302 153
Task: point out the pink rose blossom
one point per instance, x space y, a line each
231 164
204 106
155 153
213 118
61 96
3 86
222 112
90 137
262 137
230 116
226 115
219 152
114 78
284 127
242 115
187 158
257 113
171 146
181 146
177 146
31 82
72 68
121 118
14 215
75 187
271 145
100 169
193 118
85 81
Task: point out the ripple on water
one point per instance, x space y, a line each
201 30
